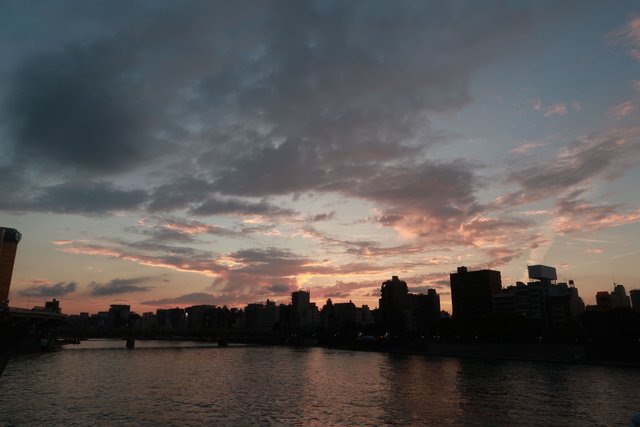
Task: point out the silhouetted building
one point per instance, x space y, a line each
344 314
200 317
336 316
364 316
425 310
173 318
603 301
563 303
52 306
260 317
634 295
118 315
9 239
472 292
304 315
327 318
619 297
543 300
527 300
394 306
148 321
99 319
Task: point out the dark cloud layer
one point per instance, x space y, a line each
70 109
254 100
83 198
120 286
48 291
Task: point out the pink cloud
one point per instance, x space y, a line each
622 110
556 109
594 251
628 34
536 212
526 148
576 215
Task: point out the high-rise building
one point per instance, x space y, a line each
472 292
634 294
9 239
394 305
303 312
603 300
619 297
425 310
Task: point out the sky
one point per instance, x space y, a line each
174 153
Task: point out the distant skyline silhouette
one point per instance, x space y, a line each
176 154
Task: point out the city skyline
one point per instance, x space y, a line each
206 153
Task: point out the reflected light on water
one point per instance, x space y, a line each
182 383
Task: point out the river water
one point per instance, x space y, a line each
186 383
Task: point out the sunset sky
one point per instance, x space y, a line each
171 153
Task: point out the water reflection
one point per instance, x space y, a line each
188 384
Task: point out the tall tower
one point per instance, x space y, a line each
9 238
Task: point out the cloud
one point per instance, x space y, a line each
599 155
186 299
624 109
72 108
120 286
84 198
326 216
556 109
280 289
343 290
593 251
226 206
526 148
269 99
46 291
575 215
629 35
163 229
149 254
330 99
255 271
218 299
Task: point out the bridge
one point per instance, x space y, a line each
23 330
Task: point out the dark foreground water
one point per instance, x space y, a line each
173 383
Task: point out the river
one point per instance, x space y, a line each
99 382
